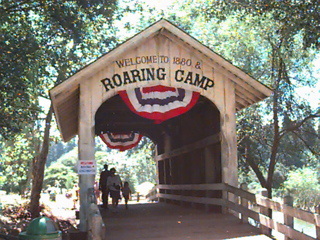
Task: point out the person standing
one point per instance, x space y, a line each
114 185
126 193
103 186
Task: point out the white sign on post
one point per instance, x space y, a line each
87 167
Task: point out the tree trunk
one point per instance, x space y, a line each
38 168
254 166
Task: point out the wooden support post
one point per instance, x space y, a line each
264 211
244 203
318 228
288 220
229 161
86 150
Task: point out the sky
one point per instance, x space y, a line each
312 94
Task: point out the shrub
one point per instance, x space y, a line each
304 186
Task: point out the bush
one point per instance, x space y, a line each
304 186
60 175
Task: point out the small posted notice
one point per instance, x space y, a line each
87 167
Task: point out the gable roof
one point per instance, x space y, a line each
65 96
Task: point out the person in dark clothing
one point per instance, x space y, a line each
103 186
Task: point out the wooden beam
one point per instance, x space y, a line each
241 209
248 95
202 200
240 100
209 186
61 115
190 147
241 193
268 222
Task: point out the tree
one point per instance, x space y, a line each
15 157
20 73
292 17
14 160
61 35
60 175
270 43
58 148
145 166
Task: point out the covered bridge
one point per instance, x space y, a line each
194 94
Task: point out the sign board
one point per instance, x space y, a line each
146 68
87 167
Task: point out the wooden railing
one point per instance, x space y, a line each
244 204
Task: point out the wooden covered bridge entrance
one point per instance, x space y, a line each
196 141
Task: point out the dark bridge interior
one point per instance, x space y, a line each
201 165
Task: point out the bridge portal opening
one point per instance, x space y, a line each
188 150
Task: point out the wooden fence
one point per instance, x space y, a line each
243 204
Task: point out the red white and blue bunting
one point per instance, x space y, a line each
121 141
159 103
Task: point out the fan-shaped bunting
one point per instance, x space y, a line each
121 141
159 102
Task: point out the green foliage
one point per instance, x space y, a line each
304 186
57 149
299 148
19 76
40 41
248 177
145 167
134 166
16 159
70 159
295 17
280 132
62 172
60 175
